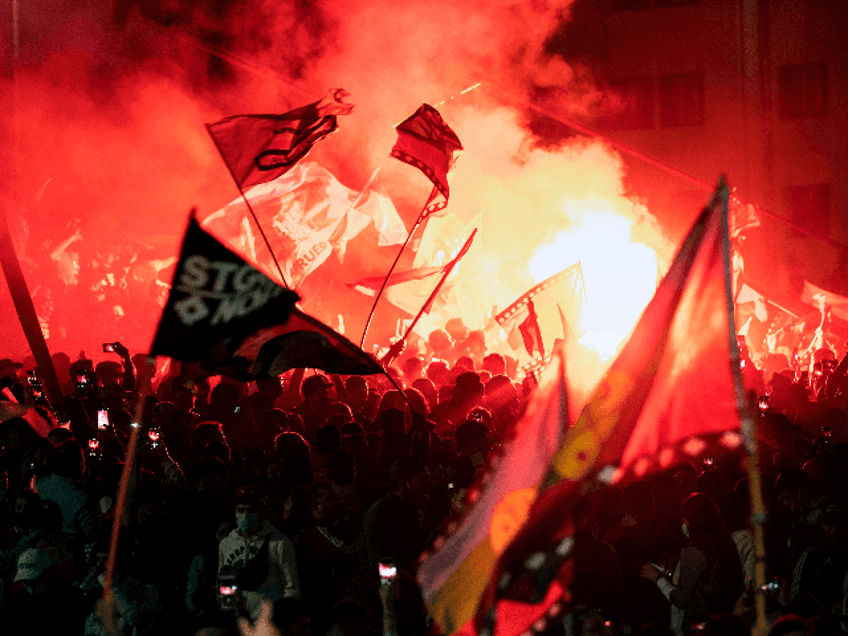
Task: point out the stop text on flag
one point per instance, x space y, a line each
222 289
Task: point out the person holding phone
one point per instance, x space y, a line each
262 558
110 371
388 573
708 578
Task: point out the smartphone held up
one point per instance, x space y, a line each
387 571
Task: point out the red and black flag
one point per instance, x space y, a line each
302 343
216 299
428 143
260 148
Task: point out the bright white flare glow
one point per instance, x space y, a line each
620 275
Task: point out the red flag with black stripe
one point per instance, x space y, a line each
260 148
428 143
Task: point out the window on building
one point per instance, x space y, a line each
802 90
809 206
675 3
630 104
629 5
682 100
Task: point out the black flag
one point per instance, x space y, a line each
216 299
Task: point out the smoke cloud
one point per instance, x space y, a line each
105 113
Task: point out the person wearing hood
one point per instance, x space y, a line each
259 557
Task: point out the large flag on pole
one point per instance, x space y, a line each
813 295
410 290
674 390
307 214
428 143
216 299
260 148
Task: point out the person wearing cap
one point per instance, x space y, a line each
10 369
44 603
262 558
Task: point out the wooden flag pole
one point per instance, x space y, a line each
748 426
26 311
9 259
415 225
106 604
397 347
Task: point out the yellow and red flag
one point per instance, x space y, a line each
454 578
674 390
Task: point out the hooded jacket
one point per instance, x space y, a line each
235 550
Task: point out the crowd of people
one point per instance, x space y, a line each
316 494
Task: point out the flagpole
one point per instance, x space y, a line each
9 262
397 347
130 460
249 208
748 426
415 225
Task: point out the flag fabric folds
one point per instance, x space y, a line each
260 148
814 295
380 209
674 389
454 577
407 290
428 143
756 304
742 217
307 215
531 333
302 343
557 305
410 290
216 298
10 410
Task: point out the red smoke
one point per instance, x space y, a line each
110 141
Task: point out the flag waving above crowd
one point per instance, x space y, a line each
550 310
216 298
428 143
306 214
674 387
411 289
260 148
